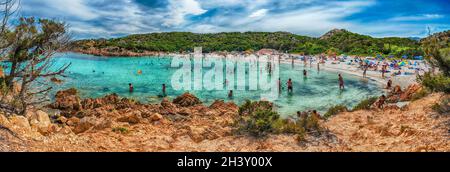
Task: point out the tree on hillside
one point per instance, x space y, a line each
437 51
29 48
32 46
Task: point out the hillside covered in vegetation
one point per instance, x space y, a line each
337 41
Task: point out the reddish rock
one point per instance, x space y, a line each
88 123
410 91
223 107
187 100
67 100
131 118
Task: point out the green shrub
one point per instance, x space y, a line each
365 104
258 119
249 107
442 107
335 110
436 83
259 123
312 124
120 130
421 94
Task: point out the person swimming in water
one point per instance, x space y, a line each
230 94
131 87
305 73
290 88
341 82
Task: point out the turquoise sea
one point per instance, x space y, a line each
98 76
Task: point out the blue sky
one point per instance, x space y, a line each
114 18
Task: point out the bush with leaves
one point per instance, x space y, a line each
365 104
258 119
442 107
420 94
335 110
436 83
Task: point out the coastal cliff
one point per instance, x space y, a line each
112 123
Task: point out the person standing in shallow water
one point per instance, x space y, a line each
341 82
318 66
164 90
305 73
279 85
131 88
290 88
389 84
230 94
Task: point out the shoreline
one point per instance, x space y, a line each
403 81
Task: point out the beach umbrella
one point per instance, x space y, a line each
402 63
418 57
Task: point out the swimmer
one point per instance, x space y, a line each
289 83
341 82
131 87
230 94
305 73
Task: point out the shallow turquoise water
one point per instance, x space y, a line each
99 76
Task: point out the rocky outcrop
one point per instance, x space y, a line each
410 91
92 123
41 122
223 108
399 95
187 100
100 113
331 33
131 118
68 101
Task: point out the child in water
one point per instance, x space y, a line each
289 83
131 87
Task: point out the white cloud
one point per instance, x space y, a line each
259 13
179 9
72 8
417 17
101 18
314 20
